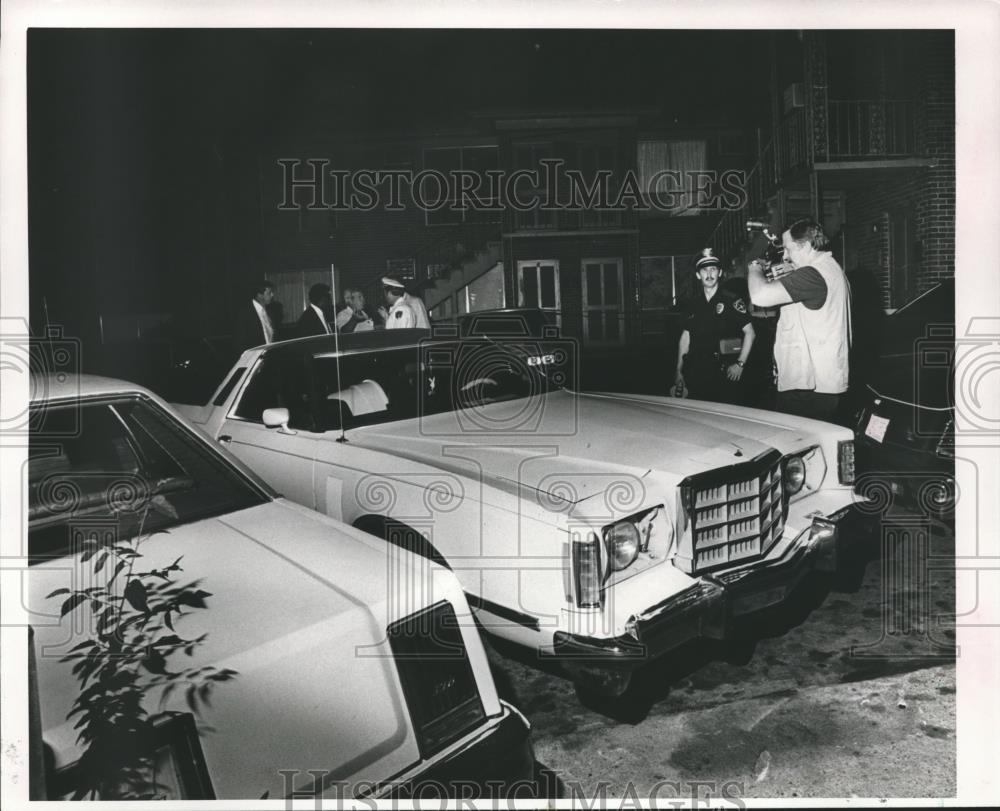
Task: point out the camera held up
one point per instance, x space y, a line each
772 255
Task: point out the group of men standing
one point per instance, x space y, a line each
255 323
811 339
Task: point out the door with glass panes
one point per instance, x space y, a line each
538 285
603 315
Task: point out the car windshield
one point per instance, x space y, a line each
325 392
372 388
121 466
916 360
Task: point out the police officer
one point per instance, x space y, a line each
402 314
716 340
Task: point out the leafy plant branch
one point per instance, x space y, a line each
132 652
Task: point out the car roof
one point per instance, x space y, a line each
48 387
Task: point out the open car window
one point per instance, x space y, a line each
375 388
123 466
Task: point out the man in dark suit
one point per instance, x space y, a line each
313 319
253 325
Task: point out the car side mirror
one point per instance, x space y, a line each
277 418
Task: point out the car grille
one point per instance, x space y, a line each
735 514
437 678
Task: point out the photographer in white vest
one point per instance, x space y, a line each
813 333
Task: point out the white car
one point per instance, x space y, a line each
603 529
358 673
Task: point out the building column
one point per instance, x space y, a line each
814 55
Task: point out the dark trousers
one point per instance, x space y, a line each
805 403
706 380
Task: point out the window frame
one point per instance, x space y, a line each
604 309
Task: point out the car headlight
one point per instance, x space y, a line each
623 542
793 476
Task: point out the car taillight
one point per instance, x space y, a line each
434 669
845 461
588 574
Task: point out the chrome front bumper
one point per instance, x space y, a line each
707 609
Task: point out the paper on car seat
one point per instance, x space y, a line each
362 398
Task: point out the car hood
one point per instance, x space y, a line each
580 440
293 595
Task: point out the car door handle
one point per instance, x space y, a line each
225 438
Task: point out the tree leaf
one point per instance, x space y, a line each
192 699
204 692
135 593
195 599
167 619
101 561
70 603
118 567
56 592
155 663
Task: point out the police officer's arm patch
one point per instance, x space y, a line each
719 308
740 305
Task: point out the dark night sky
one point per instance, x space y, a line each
132 132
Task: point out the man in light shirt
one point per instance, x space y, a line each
253 325
814 329
345 311
361 321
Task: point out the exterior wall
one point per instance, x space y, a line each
570 251
359 243
930 192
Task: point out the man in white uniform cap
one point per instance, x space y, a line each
405 311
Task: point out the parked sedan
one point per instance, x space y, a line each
601 529
357 672
905 429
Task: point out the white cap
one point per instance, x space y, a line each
388 281
707 259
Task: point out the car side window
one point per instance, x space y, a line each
226 390
118 466
277 382
83 464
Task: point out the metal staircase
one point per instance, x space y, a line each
456 285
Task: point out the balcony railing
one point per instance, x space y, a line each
856 130
866 128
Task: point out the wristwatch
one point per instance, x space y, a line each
739 363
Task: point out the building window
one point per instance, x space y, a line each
528 157
668 169
603 316
664 282
538 285
475 159
592 158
